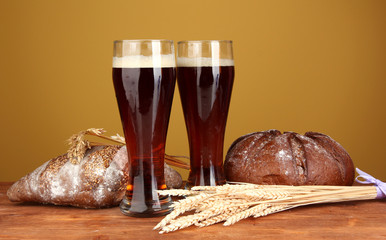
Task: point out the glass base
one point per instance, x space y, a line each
189 186
206 176
212 181
148 209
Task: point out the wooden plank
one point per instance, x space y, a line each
350 220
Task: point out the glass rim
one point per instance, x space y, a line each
204 41
143 40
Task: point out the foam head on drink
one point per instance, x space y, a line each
157 61
203 62
144 87
205 86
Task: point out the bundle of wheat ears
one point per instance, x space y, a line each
79 145
230 203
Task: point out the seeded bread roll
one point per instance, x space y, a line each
271 157
99 180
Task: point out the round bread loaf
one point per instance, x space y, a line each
271 157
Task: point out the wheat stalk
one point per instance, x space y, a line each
177 192
219 199
247 213
231 203
180 207
79 145
222 217
186 221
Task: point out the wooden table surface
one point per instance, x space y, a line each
350 220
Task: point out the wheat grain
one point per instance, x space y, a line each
226 188
262 194
189 220
220 200
172 215
78 147
177 192
204 188
118 138
208 203
222 217
245 214
180 207
186 221
190 202
270 210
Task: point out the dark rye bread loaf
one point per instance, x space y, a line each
288 158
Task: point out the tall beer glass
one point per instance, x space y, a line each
144 79
205 78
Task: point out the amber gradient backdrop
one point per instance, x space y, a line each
300 66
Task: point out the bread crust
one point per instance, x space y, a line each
98 181
288 158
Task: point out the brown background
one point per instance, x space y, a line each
300 66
